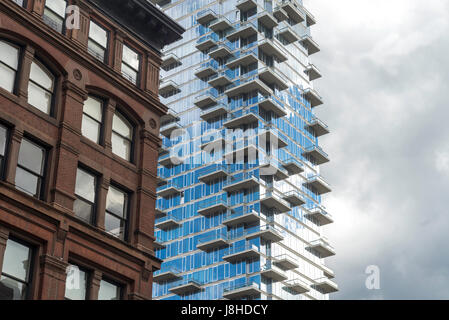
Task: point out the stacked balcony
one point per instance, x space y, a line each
220 52
271 167
322 247
168 222
310 19
286 32
271 77
327 272
311 46
214 111
213 241
206 99
218 143
184 286
213 172
170 59
212 206
242 181
245 30
272 199
220 79
167 274
168 86
249 85
159 212
220 24
266 232
325 285
291 7
167 129
207 69
246 216
206 16
293 165
272 48
285 262
312 72
271 103
157 245
320 216
297 286
271 135
280 14
240 119
266 18
242 252
245 5
242 58
241 290
168 160
314 98
318 127
295 198
243 148
318 185
168 190
274 273
206 42
317 154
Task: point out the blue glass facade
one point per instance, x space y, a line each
239 202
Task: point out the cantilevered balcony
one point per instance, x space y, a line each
166 274
245 30
157 245
214 144
325 285
285 262
320 216
249 85
221 79
294 197
169 59
222 51
271 48
285 31
271 103
328 272
206 69
318 185
241 290
238 151
212 206
274 273
272 199
167 222
297 286
311 46
207 42
317 154
218 239
318 127
206 16
280 14
241 181
314 98
310 19
312 72
293 165
322 247
242 58
295 14
267 19
168 190
213 172
167 129
245 5
269 76
159 212
242 252
168 86
206 99
267 232
168 160
270 134
184 286
171 116
245 216
220 24
240 119
271 167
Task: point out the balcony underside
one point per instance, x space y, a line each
297 287
313 72
205 101
205 45
168 87
243 184
243 255
322 249
271 105
243 219
249 291
213 244
286 263
168 192
319 128
214 112
158 245
288 34
310 44
220 81
186 288
205 72
319 157
273 202
169 161
280 14
319 186
213 144
241 121
238 155
165 276
268 136
220 52
166 131
213 209
267 20
270 77
220 173
269 48
160 213
272 170
267 235
207 17
243 32
293 12
167 224
295 199
220 25
247 87
313 97
242 61
275 275
245 5
320 217
326 286
293 167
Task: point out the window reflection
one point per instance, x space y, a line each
40 88
122 135
85 192
9 62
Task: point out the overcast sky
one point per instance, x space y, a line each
385 67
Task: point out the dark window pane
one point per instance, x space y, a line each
57 6
9 60
3 137
75 286
85 185
19 2
83 210
31 157
96 50
12 289
116 202
108 291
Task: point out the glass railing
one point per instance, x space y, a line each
214 108
240 285
322 242
274 100
210 93
186 281
272 161
209 64
211 203
294 193
214 168
319 179
241 248
168 185
313 148
171 269
240 213
293 161
316 121
212 36
216 235
257 229
240 178
226 73
204 13
273 193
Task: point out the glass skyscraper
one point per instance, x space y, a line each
239 213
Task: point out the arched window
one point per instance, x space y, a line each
9 63
122 135
41 87
92 119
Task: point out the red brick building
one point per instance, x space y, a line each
79 139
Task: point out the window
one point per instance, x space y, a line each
40 88
130 64
98 41
16 271
9 63
21 3
54 14
122 135
76 284
30 168
92 119
116 213
85 191
109 291
3 146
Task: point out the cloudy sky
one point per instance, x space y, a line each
385 82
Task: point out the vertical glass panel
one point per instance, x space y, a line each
114 226
121 126
10 55
98 34
91 129
116 202
3 137
121 146
16 260
131 58
7 78
39 98
12 289
108 291
57 6
31 157
19 2
85 185
27 182
83 210
75 287
41 76
93 108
